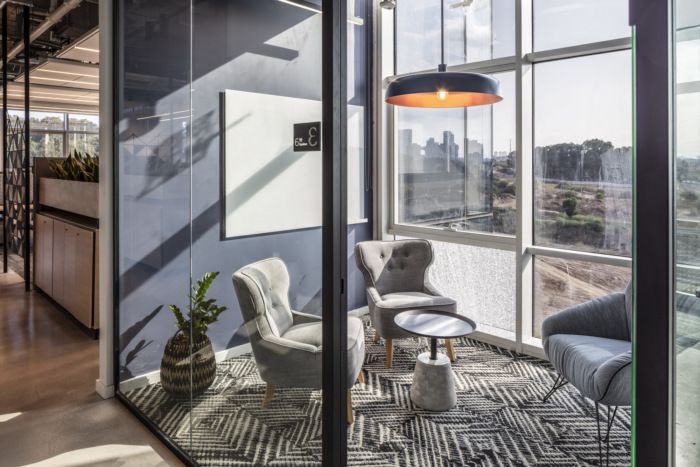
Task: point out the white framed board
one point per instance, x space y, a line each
267 186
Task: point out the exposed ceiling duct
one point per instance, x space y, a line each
54 17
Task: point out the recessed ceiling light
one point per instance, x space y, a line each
86 49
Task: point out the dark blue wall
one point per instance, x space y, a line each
252 45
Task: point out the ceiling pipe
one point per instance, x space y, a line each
53 18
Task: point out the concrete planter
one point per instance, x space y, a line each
67 195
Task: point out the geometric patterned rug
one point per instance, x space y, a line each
499 420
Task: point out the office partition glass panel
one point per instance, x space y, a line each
153 198
687 233
219 202
566 23
583 154
257 217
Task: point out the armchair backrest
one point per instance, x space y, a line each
394 266
262 289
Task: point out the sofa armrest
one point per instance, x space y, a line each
600 317
301 318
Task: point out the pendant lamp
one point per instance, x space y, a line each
442 88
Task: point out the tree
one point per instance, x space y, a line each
569 204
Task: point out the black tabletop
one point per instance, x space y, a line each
434 323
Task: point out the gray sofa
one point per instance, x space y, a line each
287 344
590 347
396 280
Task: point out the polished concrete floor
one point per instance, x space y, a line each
50 414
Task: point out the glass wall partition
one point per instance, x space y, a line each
687 233
220 222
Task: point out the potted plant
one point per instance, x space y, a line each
74 187
188 366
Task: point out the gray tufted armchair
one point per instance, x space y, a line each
396 279
287 344
590 347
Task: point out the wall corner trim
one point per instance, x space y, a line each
105 391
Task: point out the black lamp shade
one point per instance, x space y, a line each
443 89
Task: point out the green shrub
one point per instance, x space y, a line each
79 167
688 195
569 204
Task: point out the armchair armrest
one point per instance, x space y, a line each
612 381
290 346
374 294
430 289
301 318
600 317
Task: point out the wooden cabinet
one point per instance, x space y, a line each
43 251
65 266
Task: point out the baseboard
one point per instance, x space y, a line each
153 377
105 391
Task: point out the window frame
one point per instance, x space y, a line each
522 243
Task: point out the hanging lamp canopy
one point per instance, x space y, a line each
442 88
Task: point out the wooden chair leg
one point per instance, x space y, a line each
269 392
361 378
389 342
450 350
350 416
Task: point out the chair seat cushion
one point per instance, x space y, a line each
312 333
401 300
578 358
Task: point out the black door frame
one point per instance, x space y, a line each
652 440
335 231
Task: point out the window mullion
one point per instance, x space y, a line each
524 189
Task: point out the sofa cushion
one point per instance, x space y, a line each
578 358
413 300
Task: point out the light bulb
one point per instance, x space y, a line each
442 94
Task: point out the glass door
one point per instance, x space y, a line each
687 233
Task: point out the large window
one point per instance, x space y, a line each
541 181
482 31
583 154
55 134
456 167
566 23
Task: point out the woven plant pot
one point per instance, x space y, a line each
176 370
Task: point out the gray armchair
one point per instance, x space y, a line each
287 344
396 279
590 347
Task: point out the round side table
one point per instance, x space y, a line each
433 385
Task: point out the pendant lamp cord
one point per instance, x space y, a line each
442 66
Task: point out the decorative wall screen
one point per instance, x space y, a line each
16 191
